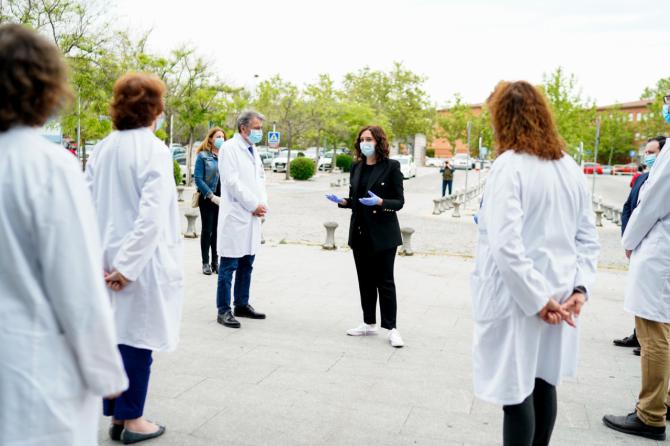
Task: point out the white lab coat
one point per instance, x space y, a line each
537 239
58 353
648 236
130 174
242 190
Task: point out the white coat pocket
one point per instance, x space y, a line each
490 299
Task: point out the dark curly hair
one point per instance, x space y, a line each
137 100
381 143
523 122
33 78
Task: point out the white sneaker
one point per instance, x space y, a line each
363 330
395 339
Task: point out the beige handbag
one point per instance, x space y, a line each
195 199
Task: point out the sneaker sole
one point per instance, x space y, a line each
660 437
374 333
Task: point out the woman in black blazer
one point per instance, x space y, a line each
375 194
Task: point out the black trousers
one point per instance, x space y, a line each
375 275
209 215
531 422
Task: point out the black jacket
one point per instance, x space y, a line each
630 204
386 181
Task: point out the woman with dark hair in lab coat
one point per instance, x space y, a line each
535 264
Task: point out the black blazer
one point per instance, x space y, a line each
630 204
386 182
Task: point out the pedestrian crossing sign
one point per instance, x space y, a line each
273 139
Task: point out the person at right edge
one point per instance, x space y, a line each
647 242
536 261
651 151
375 195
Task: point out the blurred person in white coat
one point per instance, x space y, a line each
131 180
58 353
535 263
243 204
647 243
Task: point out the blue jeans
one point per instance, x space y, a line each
242 268
446 184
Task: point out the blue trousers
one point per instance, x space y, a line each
446 184
242 268
130 405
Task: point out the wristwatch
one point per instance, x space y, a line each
579 289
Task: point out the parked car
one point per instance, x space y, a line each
624 169
177 150
589 168
463 161
435 162
607 170
487 164
326 158
407 166
266 158
279 162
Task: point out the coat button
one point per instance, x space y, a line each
382 184
374 212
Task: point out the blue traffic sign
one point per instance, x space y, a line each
273 138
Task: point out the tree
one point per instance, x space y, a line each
453 125
654 124
283 103
575 117
398 96
617 137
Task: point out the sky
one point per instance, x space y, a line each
615 48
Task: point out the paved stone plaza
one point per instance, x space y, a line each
296 379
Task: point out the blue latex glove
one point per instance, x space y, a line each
335 199
370 200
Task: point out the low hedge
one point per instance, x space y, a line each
302 168
344 161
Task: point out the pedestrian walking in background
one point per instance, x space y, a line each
651 151
244 201
535 264
447 177
58 353
647 243
131 180
375 195
209 188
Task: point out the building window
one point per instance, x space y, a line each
639 116
630 117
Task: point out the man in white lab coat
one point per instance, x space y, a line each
58 352
243 204
647 241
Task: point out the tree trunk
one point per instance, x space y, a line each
288 155
189 157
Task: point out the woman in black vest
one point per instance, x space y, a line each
375 194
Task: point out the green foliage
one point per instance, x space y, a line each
654 124
344 162
453 125
430 153
302 168
176 168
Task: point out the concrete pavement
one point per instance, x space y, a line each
296 379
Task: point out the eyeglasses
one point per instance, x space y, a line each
666 99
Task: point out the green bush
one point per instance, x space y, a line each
300 154
176 169
344 162
302 168
430 153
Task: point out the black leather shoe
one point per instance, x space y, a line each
227 320
637 351
206 269
128 437
115 431
215 268
248 311
628 341
631 424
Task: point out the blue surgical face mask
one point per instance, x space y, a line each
666 113
367 149
255 136
649 159
159 122
218 142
